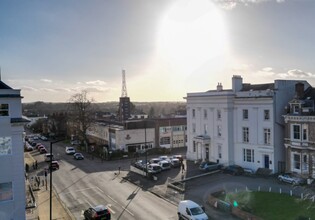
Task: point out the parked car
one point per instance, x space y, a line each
43 138
209 166
154 168
43 150
234 170
190 210
163 158
78 156
175 162
54 165
165 165
99 212
288 178
70 150
40 147
141 164
154 160
49 157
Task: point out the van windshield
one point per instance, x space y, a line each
196 210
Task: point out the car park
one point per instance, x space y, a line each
54 165
99 212
154 168
165 165
209 166
234 170
78 156
190 210
70 150
289 178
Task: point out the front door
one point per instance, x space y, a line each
266 159
207 153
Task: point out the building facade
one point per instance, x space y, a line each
300 133
12 172
242 125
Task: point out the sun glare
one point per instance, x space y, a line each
191 34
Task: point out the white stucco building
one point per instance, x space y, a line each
242 125
12 177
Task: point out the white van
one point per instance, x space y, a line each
188 209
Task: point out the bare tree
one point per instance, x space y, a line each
82 114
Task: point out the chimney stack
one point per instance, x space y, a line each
219 87
299 90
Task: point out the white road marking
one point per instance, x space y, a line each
127 211
79 190
109 206
112 199
100 190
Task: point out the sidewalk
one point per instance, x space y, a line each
42 199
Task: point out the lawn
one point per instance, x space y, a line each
272 206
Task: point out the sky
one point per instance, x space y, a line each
52 50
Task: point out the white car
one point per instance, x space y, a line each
165 165
70 150
290 179
190 210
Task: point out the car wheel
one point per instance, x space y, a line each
179 216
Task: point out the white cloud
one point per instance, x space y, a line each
96 82
296 73
267 69
46 80
28 88
230 4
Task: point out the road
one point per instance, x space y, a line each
84 183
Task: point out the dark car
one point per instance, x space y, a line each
209 166
54 165
78 156
234 170
43 150
99 212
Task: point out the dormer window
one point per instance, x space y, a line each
296 109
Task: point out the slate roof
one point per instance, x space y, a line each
4 86
257 87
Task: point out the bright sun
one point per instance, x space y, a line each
192 33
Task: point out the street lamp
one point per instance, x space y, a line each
50 172
146 149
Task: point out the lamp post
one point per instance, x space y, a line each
145 148
50 172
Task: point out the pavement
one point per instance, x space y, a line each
38 199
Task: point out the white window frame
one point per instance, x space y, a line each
245 114
266 114
296 162
248 155
305 132
219 128
294 133
267 136
245 135
205 126
219 151
219 115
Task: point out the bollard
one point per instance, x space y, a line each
290 192
280 190
269 189
258 188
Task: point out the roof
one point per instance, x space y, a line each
4 86
257 87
